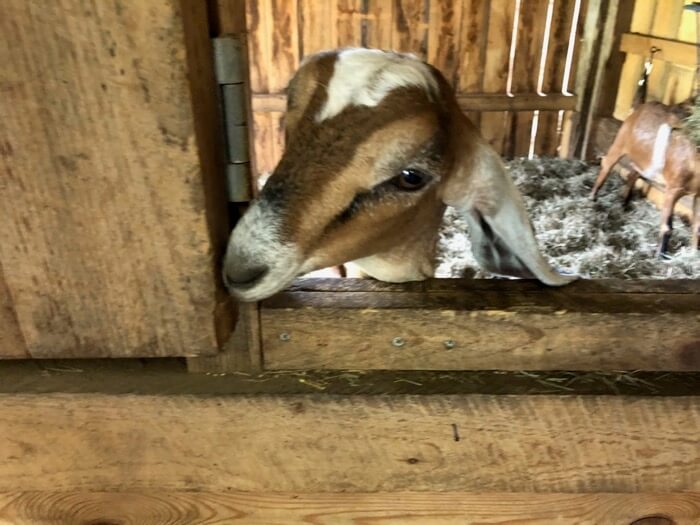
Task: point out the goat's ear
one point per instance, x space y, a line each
502 237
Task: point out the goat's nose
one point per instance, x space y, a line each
243 275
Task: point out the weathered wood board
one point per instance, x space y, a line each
459 508
483 325
111 199
543 444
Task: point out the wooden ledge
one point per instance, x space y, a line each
463 324
543 444
452 508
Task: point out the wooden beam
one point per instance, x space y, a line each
682 53
542 444
384 508
471 102
490 325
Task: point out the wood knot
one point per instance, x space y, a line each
654 520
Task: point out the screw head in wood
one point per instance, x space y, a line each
449 344
398 342
284 336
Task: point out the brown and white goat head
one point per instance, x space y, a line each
376 147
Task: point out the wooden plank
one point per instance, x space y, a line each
473 41
641 14
12 342
496 126
671 50
548 133
284 56
264 133
481 339
318 30
603 75
395 508
259 23
378 24
589 325
211 153
261 443
411 27
103 254
521 126
349 23
667 20
444 29
468 102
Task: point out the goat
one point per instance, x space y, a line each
654 147
376 148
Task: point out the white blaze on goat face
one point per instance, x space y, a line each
375 146
364 77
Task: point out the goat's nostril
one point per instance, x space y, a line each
241 276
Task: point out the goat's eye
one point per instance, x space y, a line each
411 179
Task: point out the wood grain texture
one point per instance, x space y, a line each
349 22
473 40
314 15
411 27
11 340
588 325
432 508
496 126
378 24
444 31
105 242
481 340
349 444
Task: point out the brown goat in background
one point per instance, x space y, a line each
654 146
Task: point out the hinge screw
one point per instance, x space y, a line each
284 336
449 344
398 342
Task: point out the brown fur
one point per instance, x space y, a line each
634 145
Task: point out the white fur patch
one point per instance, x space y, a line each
658 157
363 77
255 241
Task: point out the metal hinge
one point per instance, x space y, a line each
229 64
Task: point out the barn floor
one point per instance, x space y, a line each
592 239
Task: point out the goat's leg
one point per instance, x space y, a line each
670 199
606 164
627 195
695 243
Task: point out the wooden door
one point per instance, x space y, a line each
112 202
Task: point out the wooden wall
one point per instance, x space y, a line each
669 81
110 193
470 41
